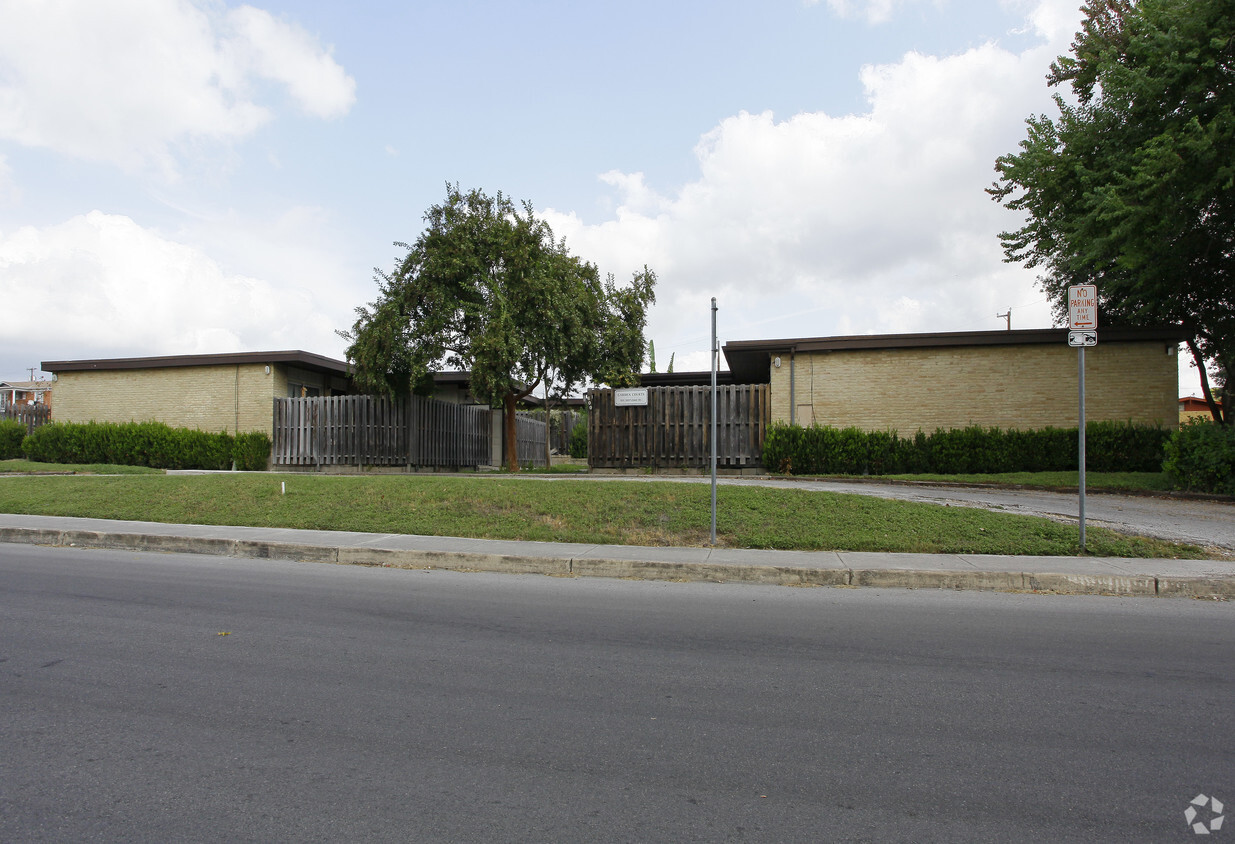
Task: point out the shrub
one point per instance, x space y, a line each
819 450
12 433
1200 456
578 440
151 444
251 452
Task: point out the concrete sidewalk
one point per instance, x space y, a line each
1070 575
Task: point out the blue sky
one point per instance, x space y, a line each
196 177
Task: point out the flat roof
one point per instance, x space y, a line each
748 359
305 360
684 379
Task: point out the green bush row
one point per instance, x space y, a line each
151 444
12 433
1201 457
817 450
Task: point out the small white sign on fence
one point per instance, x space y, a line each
633 397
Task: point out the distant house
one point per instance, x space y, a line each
1194 407
22 393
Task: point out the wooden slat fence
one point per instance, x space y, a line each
530 433
30 415
563 425
449 434
674 429
379 431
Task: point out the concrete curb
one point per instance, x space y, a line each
1219 588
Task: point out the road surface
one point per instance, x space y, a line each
152 697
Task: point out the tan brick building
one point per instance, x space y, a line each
1023 379
229 392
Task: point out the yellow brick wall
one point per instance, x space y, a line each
1023 387
210 398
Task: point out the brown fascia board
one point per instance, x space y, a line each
305 360
1017 337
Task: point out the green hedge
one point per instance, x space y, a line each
151 444
1201 457
251 451
12 433
817 450
578 439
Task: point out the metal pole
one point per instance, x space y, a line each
1081 441
715 350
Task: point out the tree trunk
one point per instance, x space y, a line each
512 438
548 431
1221 414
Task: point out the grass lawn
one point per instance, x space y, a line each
506 507
30 467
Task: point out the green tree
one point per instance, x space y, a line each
1132 187
487 288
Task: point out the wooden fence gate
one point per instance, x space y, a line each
530 433
674 429
378 431
30 415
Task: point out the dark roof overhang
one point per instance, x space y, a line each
304 360
684 379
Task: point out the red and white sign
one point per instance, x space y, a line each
1083 307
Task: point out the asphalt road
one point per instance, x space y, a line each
348 703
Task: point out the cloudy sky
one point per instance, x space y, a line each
197 177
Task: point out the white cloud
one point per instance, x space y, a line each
819 224
103 286
135 82
285 53
874 11
8 190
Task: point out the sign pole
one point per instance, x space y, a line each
1082 332
1081 441
714 365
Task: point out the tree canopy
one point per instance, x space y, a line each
487 288
1132 187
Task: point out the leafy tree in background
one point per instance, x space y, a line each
486 288
1132 188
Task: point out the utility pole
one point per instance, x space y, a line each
715 363
1007 316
